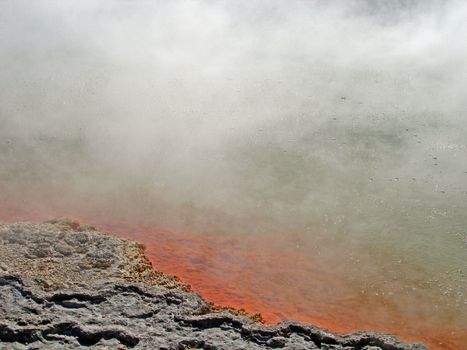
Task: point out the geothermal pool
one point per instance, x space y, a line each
378 246
304 160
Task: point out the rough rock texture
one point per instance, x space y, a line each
63 254
69 287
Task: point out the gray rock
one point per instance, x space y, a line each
114 307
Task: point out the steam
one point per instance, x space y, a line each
346 118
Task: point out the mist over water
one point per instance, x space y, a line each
341 125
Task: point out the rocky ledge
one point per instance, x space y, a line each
66 286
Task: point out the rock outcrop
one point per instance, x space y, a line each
66 286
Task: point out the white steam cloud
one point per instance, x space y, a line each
343 117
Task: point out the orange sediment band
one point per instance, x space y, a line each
271 277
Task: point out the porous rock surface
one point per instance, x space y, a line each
66 286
